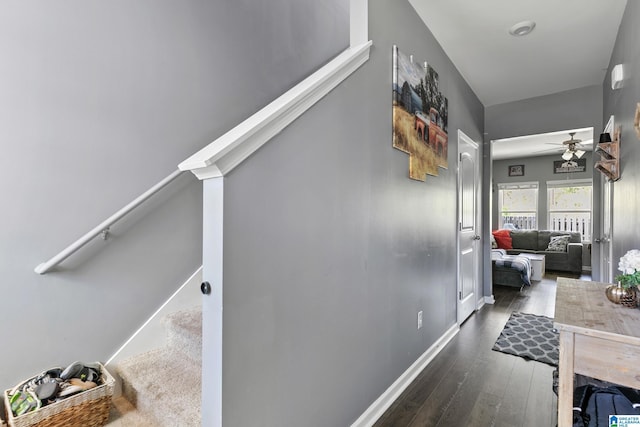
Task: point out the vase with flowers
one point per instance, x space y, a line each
625 292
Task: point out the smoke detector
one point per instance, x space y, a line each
522 28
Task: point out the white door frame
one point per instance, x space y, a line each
605 240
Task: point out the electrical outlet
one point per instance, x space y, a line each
420 319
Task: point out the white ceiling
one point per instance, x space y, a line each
569 48
546 144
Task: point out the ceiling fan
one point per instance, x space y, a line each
573 148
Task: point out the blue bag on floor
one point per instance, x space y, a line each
592 405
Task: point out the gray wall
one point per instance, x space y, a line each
573 109
538 169
578 108
100 100
622 104
331 250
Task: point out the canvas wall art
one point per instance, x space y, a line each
420 116
561 166
516 170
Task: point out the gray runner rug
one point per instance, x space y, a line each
529 336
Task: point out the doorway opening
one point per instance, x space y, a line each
545 182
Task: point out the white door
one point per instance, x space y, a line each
468 226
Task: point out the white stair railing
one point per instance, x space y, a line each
103 227
229 150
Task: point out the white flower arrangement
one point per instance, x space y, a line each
629 265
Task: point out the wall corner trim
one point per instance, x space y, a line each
225 153
358 22
386 399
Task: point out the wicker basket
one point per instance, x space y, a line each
86 409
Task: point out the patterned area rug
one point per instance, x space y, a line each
529 336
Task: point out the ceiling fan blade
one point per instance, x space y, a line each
572 140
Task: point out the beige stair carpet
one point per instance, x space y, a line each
164 385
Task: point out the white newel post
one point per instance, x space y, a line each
212 254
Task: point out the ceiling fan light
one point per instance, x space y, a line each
579 153
567 155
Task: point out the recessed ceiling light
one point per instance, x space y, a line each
522 28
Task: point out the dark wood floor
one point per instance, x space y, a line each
468 384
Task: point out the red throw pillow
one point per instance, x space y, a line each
503 238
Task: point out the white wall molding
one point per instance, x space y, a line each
174 303
358 22
489 299
225 153
377 408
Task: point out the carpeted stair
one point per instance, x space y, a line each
164 385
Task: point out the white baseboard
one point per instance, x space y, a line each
489 300
377 408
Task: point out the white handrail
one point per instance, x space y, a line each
103 227
229 150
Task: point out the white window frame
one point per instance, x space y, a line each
519 186
571 183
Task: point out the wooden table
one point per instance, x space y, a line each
598 339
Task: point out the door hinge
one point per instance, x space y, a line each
460 295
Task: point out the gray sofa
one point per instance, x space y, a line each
536 241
